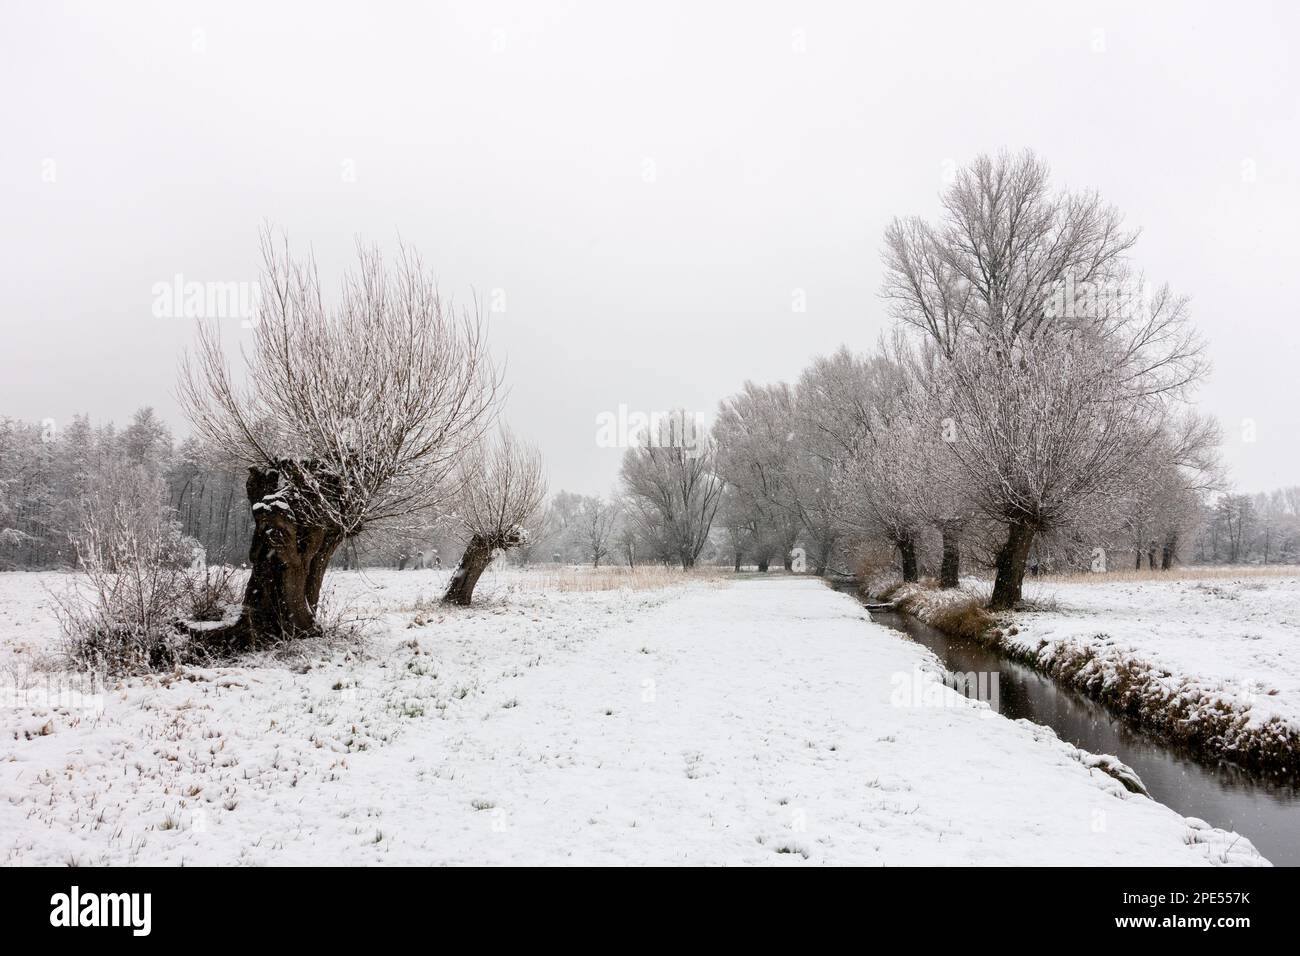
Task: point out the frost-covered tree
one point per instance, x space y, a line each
147 441
1178 469
867 435
831 422
672 482
755 434
563 525
738 523
627 539
1046 439
880 480
595 527
926 477
502 486
355 412
1015 274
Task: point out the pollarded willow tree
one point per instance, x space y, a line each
1016 280
501 488
353 414
1050 438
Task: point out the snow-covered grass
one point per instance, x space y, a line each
1181 572
763 721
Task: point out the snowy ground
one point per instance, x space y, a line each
1222 640
756 722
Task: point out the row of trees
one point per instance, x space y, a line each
1030 408
1262 528
47 473
1041 397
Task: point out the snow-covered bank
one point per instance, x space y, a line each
763 722
1213 665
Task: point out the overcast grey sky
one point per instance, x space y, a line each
646 184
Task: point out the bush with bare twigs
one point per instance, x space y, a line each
210 591
123 615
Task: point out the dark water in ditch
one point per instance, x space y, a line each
1264 809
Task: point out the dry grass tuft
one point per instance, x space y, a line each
954 611
618 577
1195 572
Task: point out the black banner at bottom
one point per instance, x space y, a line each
330 904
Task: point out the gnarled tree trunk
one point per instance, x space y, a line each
478 555
288 557
1011 565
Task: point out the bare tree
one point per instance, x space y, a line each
739 525
1015 274
757 457
353 414
879 477
1046 436
1005 241
1178 469
563 525
626 536
929 482
832 416
134 558
502 487
597 521
675 490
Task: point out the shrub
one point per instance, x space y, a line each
209 590
124 615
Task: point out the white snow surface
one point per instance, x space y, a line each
1232 640
756 722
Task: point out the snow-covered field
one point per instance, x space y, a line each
1217 643
761 721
